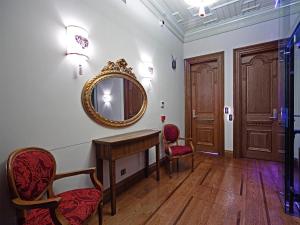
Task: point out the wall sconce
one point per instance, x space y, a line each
77 41
147 72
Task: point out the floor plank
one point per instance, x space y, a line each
221 191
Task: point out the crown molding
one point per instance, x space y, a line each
266 14
163 13
240 22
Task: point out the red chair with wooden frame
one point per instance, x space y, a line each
31 173
171 136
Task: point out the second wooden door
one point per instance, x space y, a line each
259 129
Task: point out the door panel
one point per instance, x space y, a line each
260 130
205 76
133 100
205 136
259 140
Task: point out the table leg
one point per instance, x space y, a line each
157 162
112 176
147 163
99 167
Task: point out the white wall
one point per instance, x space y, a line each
40 96
259 33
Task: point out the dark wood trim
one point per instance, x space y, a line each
169 196
238 218
265 198
205 176
188 94
187 204
125 184
188 97
237 122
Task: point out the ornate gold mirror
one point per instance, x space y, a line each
114 98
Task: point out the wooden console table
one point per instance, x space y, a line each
120 146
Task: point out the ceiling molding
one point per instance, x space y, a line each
237 23
163 13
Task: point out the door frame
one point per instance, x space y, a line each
219 56
238 53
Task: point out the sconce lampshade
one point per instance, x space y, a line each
77 41
147 70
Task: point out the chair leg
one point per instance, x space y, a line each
170 167
100 212
193 163
177 162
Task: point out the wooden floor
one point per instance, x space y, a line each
220 191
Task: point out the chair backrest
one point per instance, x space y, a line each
30 172
170 133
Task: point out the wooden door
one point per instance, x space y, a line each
205 102
133 99
258 128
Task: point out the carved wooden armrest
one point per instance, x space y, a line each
90 171
50 203
190 140
45 203
170 151
167 147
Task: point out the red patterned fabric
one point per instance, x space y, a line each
32 172
171 133
38 217
76 206
180 150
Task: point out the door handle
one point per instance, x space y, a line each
275 115
194 114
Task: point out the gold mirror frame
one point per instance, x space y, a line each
118 69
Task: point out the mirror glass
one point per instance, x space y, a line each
117 98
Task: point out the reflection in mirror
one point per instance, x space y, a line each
117 99
114 98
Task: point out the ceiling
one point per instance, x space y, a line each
223 16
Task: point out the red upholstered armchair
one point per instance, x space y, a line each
172 147
31 173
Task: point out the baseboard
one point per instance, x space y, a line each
131 180
229 153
